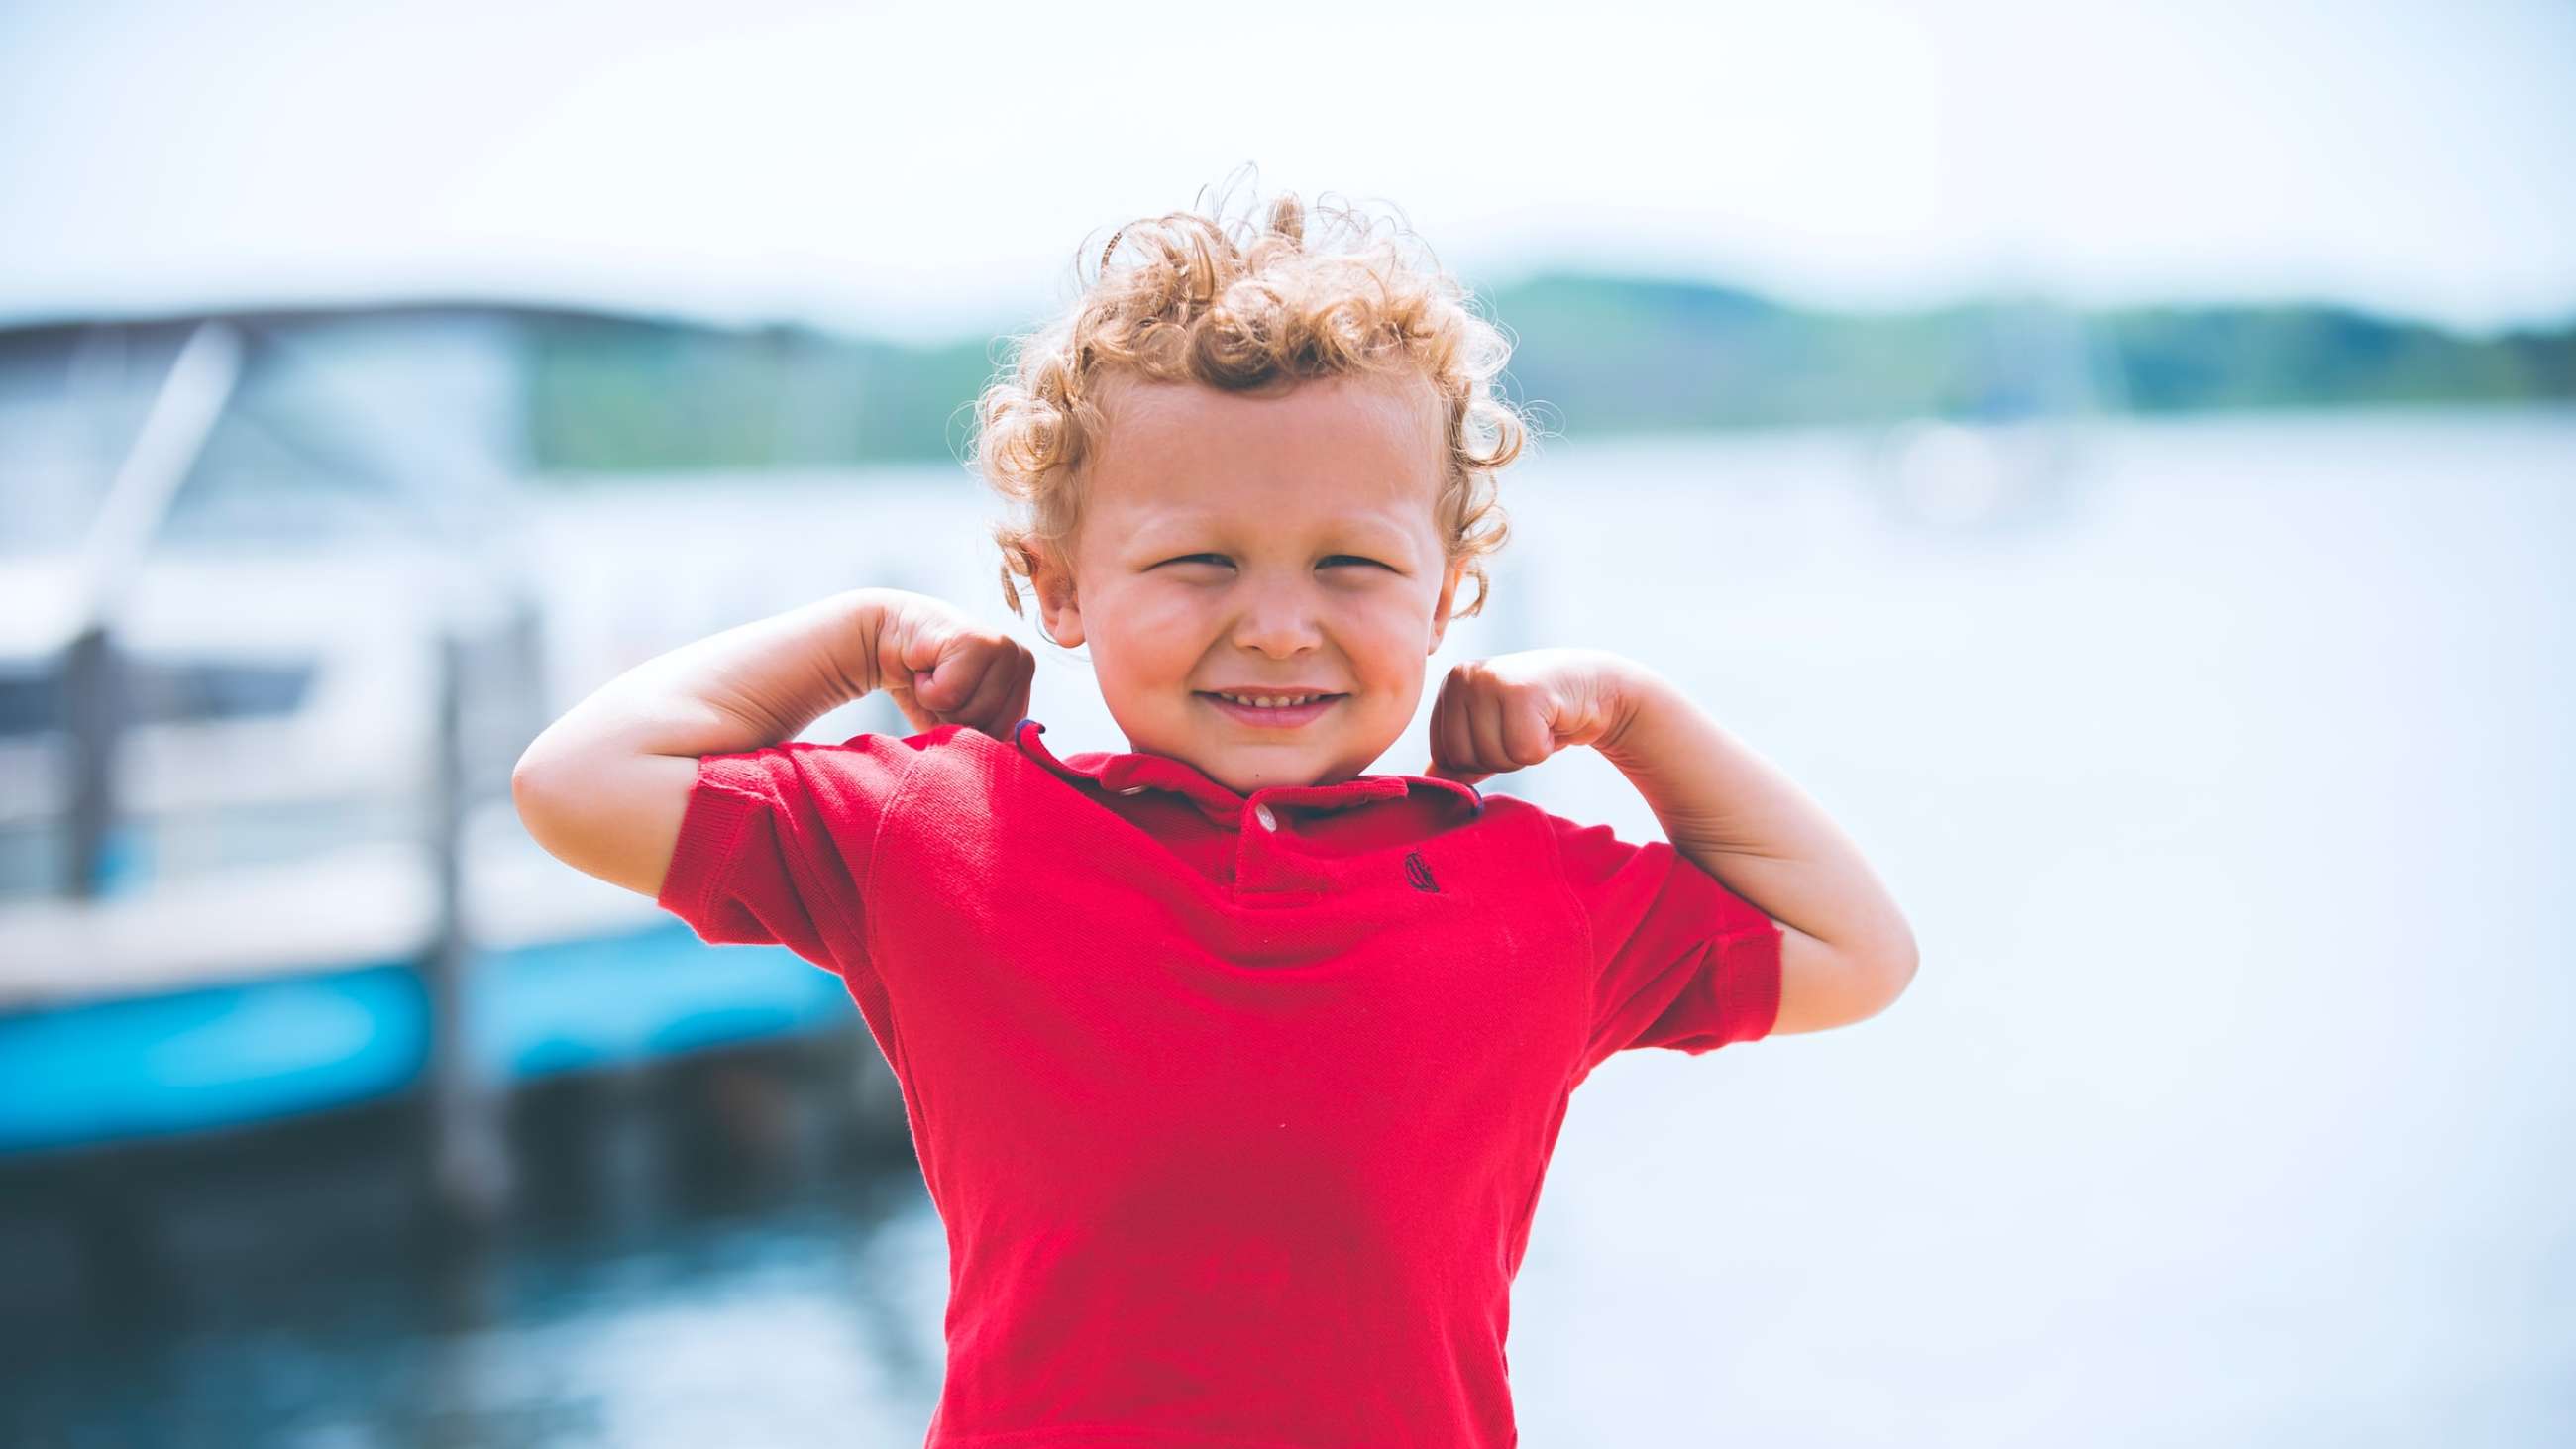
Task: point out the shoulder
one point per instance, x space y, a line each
1607 873
1508 834
1505 815
1565 845
866 774
947 771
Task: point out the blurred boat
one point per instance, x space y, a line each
268 648
2007 435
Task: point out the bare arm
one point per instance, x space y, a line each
605 787
1846 951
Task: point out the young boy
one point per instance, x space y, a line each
1233 1070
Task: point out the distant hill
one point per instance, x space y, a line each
1596 355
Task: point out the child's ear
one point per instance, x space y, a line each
1448 595
1058 610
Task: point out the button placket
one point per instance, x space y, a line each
1257 853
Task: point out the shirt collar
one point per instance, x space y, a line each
1132 774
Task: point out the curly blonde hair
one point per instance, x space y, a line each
1223 303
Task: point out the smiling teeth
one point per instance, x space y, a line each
1267 701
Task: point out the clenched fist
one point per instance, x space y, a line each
1515 710
943 667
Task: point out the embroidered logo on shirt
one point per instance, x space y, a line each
1419 873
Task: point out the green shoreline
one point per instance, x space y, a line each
1594 356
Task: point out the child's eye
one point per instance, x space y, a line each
1218 558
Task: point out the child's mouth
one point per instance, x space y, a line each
1278 717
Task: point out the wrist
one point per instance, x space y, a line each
1635 694
858 622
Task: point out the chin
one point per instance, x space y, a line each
1243 776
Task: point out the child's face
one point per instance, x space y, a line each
1281 542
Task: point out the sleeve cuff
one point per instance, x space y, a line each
711 830
1746 981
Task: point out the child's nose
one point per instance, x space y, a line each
1277 621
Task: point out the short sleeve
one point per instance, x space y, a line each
1678 960
776 844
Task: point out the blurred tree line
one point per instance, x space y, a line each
1595 354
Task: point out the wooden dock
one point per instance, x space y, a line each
238 996
257 853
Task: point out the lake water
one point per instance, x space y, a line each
2226 784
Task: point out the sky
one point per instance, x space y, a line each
928 171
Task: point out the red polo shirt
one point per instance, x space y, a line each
1235 1107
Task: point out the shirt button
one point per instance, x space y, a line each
1262 814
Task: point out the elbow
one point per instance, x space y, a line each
535 787
1891 967
1828 984
527 793
1876 973
539 773
523 785
524 774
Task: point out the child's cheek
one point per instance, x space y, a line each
1160 613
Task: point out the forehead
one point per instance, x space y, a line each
1344 447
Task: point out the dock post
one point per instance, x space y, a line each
92 710
468 1166
191 397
